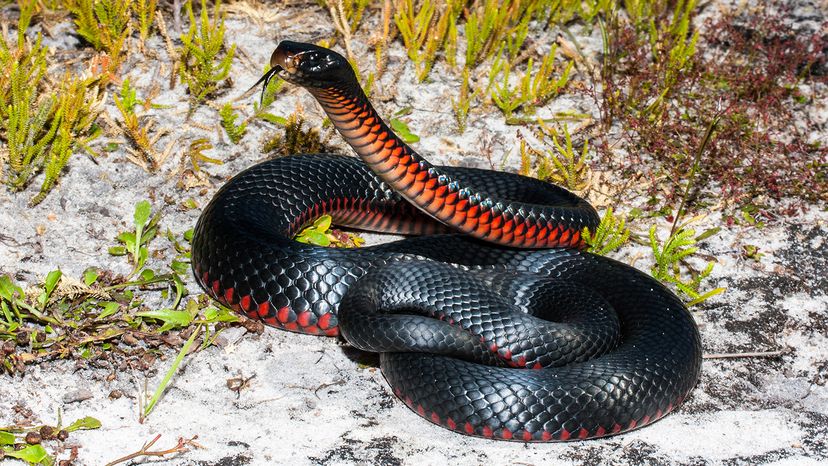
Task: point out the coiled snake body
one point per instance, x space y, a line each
503 329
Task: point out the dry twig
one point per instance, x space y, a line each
180 447
755 354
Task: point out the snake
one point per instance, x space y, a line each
490 317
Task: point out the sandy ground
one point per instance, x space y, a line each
315 401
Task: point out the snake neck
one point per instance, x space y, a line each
462 207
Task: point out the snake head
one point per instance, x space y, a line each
309 66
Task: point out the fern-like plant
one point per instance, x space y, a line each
26 65
569 168
462 105
560 164
134 129
532 89
106 25
669 256
228 122
145 16
128 99
205 61
27 134
426 29
506 97
485 25
40 127
611 234
78 105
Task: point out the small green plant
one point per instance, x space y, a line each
675 54
413 26
560 164
352 9
106 25
611 234
134 243
669 256
26 113
272 89
228 122
569 168
41 126
295 139
18 307
485 26
515 39
205 61
320 233
462 105
750 251
70 105
128 99
195 153
79 102
504 96
403 131
533 89
425 29
34 453
145 15
137 128
751 215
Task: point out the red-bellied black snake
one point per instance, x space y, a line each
493 322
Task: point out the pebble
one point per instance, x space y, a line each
76 396
229 336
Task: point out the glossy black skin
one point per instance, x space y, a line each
310 65
243 242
